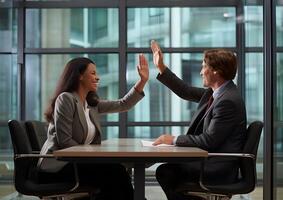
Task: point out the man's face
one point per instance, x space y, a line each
208 75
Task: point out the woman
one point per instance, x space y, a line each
73 117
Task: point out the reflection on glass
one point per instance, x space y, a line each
8 87
155 131
254 26
78 27
278 107
278 129
278 161
182 27
8 110
279 26
6 157
254 86
254 99
7 28
279 88
109 132
161 104
43 71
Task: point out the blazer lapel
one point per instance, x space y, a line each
81 114
201 108
197 117
230 85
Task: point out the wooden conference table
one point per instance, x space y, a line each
131 152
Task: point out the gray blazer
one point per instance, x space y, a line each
69 127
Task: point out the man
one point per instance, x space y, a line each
219 124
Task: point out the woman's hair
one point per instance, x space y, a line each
222 61
69 82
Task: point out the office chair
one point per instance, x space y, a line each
26 179
247 179
37 133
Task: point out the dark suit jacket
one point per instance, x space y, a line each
222 128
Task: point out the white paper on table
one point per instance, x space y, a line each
147 143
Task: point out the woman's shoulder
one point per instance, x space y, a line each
69 95
66 97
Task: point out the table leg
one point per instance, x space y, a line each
139 181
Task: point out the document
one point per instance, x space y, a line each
147 143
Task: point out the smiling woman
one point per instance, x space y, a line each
89 79
73 116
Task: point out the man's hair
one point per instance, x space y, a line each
222 61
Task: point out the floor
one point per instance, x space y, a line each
152 193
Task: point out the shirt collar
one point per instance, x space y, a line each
220 90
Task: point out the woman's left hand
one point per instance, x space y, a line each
143 68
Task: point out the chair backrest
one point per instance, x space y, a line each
37 133
26 178
246 182
21 145
248 166
253 137
20 140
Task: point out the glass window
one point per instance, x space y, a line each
6 161
87 27
43 71
278 130
254 103
109 132
156 15
159 106
8 110
254 26
254 86
279 88
278 106
279 25
77 25
131 18
8 87
98 19
7 28
183 27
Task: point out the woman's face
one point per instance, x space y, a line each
89 79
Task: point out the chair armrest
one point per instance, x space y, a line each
243 155
17 156
223 155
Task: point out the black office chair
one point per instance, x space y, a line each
37 133
26 173
247 178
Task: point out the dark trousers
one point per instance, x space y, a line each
171 176
111 180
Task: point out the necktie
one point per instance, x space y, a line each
210 100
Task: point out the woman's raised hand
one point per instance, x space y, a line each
143 68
